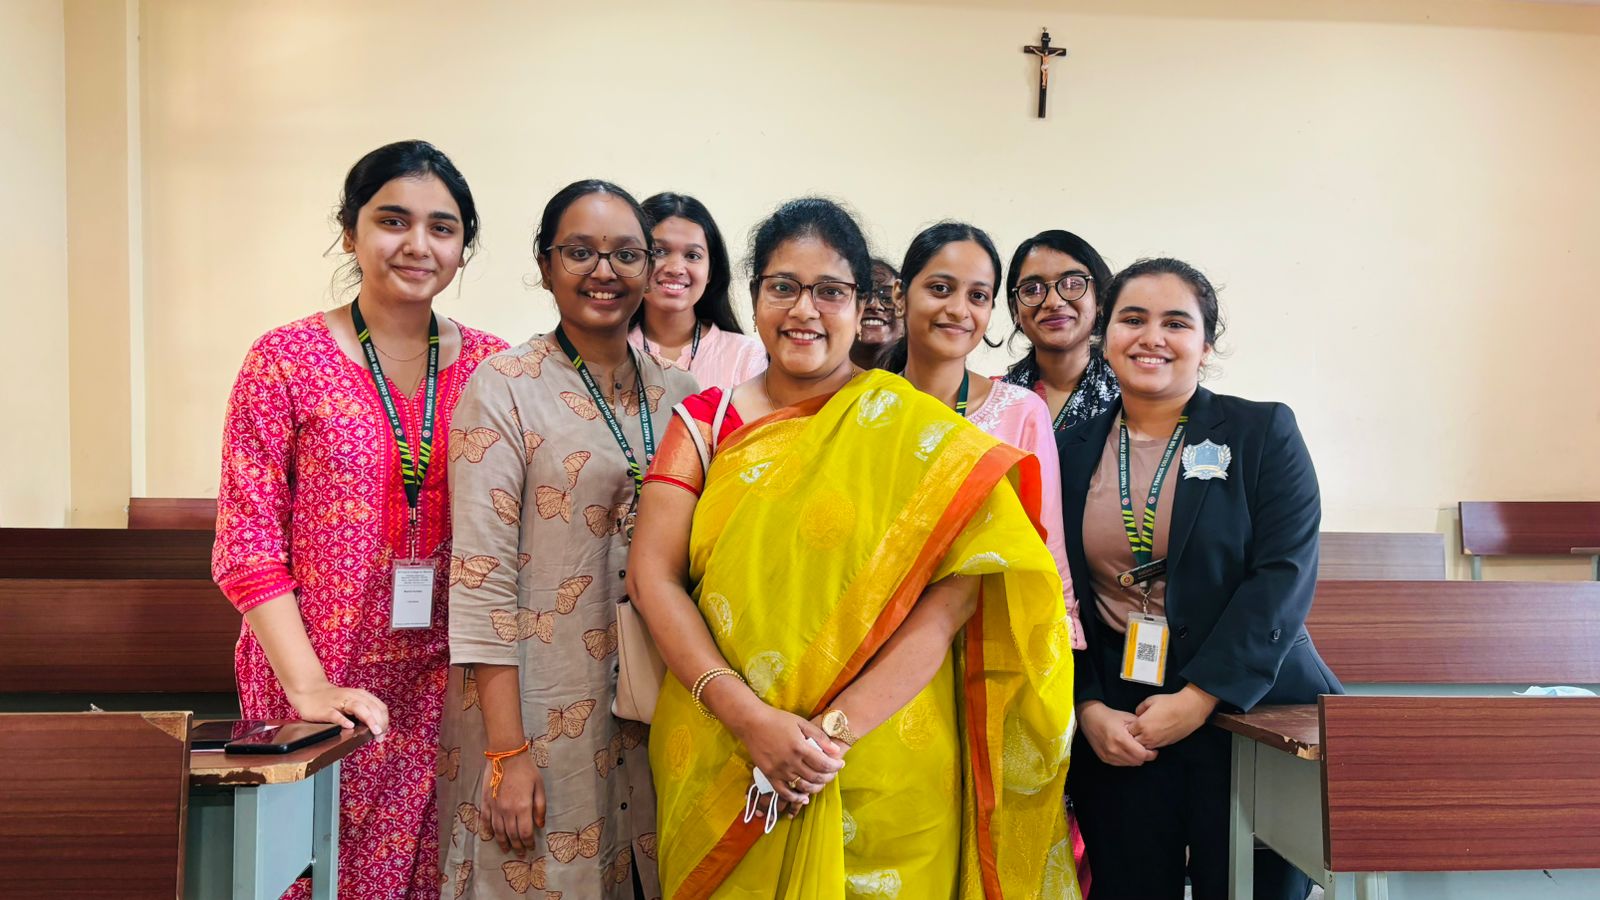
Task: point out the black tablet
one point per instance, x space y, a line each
283 738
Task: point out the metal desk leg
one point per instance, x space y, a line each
325 835
1477 568
1241 821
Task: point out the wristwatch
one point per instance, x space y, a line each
836 726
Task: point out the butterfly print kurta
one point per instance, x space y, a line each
539 488
311 502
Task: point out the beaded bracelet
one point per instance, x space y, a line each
704 681
496 773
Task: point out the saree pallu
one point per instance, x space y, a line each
818 529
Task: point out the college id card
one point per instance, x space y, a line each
413 594
1144 654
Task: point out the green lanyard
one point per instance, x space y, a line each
599 398
1061 417
413 467
961 395
1144 546
694 342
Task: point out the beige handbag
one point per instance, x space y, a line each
640 669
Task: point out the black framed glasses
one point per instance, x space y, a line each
1071 286
784 292
580 259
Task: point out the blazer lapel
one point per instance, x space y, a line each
1205 423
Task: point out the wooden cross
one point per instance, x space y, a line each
1044 51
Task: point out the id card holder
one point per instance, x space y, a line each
1144 654
413 594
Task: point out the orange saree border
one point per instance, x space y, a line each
740 836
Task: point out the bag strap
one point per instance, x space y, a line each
716 420
694 434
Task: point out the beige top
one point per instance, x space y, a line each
538 486
1105 539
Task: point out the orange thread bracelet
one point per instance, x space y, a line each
496 773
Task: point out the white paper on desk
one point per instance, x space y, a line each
1560 690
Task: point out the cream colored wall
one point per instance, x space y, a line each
35 489
1399 200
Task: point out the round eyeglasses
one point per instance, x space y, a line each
1071 286
579 259
784 292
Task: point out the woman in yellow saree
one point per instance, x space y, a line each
864 571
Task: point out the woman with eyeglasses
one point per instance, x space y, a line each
541 786
881 327
687 318
1053 291
808 607
945 296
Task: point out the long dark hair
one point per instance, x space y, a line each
402 159
1026 369
816 217
924 247
714 305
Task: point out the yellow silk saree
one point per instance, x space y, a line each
817 531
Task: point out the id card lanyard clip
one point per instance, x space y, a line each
1144 652
412 604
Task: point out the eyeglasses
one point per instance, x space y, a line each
579 259
1071 286
882 294
784 292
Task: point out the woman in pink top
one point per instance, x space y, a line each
946 296
333 472
687 318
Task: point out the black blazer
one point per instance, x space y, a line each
1241 562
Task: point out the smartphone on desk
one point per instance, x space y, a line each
259 737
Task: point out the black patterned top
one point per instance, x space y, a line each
1095 393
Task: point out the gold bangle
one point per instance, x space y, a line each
704 681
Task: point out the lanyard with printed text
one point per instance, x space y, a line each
694 342
599 398
413 466
1143 543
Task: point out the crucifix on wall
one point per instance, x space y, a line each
1044 51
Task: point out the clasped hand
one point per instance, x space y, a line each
1132 739
777 744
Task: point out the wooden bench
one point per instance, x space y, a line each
185 513
1446 633
1378 555
1530 528
1460 797
113 612
93 804
1430 724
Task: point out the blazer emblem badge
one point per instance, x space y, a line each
1206 461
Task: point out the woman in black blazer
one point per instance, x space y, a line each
1215 577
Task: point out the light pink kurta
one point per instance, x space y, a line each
1017 416
725 359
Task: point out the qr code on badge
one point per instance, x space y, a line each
1145 653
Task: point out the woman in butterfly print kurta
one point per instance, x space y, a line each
538 568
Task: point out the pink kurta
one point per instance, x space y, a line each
1017 416
311 501
724 360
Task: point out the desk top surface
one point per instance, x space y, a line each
1292 729
213 767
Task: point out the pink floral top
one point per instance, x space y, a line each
724 360
1017 416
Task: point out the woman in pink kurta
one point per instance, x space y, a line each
687 317
946 296
312 511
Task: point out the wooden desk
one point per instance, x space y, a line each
256 823
1421 797
1529 528
1380 556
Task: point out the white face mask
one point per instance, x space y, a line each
762 787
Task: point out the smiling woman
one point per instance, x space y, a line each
328 500
559 432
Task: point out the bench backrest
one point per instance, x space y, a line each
1427 784
1381 555
1530 528
1459 632
93 804
189 513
